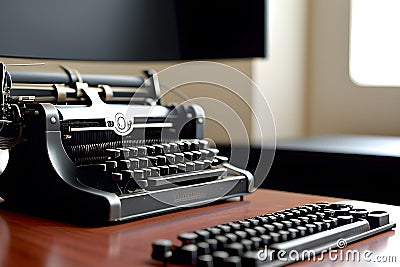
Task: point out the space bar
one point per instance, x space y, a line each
322 239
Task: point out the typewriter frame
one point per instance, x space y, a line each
41 179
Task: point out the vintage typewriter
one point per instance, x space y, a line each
102 148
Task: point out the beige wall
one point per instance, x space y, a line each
282 76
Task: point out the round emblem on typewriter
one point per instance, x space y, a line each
122 125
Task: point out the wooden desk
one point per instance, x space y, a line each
31 241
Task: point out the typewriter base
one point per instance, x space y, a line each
90 212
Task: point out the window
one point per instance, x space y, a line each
375 42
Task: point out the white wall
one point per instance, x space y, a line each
337 105
282 76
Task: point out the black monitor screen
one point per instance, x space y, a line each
133 30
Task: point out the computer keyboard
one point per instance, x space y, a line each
269 239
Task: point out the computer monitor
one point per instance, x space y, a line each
133 30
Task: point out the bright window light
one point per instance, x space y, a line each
375 42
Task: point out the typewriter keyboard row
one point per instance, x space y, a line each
258 240
152 167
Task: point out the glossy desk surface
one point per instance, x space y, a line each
32 241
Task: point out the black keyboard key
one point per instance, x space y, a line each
198 165
205 261
321 226
207 164
302 231
186 146
161 160
179 158
337 206
174 148
181 147
181 167
256 243
287 224
112 153
284 235
203 248
278 225
221 241
275 237
127 174
173 169
295 222
151 150
167 148
155 172
203 144
224 228
161 249
253 222
204 154
188 156
138 174
266 239
196 155
124 164
111 165
342 211
241 235
234 249
378 218
234 226
147 172
187 238
134 163
186 254
312 217
269 227
142 151
202 235
194 146
293 233
152 161
143 162
124 153
133 152
219 257
247 244
233 261
212 243
244 224
345 219
190 166
164 170
260 230
170 158
329 213
158 149
359 214
214 231
250 232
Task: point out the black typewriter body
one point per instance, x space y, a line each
101 161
